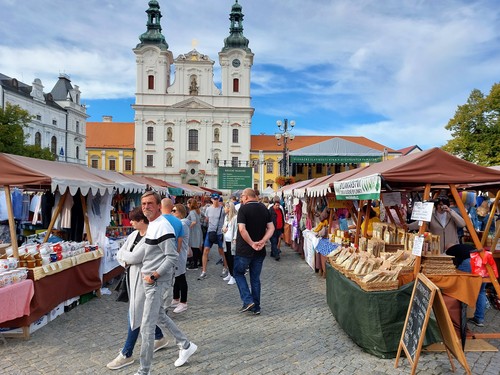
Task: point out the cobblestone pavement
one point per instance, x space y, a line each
296 334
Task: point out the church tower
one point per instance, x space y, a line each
186 129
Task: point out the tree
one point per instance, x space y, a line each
476 128
13 120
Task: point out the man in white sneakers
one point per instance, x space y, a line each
160 260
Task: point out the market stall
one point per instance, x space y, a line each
73 267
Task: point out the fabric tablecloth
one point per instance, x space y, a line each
15 300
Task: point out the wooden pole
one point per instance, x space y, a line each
418 261
12 223
490 219
86 219
475 238
55 215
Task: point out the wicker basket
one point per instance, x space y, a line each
377 286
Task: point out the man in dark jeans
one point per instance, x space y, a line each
278 218
255 227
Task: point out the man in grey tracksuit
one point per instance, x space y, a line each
158 269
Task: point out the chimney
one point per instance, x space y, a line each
107 118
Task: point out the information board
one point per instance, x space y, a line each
235 178
422 211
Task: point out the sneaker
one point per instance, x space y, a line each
192 267
160 344
256 312
181 308
247 307
231 281
119 362
174 303
224 272
476 322
228 277
202 276
184 355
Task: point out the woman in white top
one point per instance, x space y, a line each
229 229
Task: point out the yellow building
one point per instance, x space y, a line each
110 145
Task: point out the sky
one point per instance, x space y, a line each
392 71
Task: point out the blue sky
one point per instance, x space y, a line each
392 71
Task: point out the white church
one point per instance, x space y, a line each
184 129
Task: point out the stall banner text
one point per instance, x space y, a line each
359 188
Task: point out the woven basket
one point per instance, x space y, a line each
64 264
377 286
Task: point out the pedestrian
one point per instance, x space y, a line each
215 217
130 257
255 227
195 234
278 218
166 209
160 260
180 293
230 228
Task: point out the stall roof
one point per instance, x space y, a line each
320 187
287 190
37 173
301 191
433 166
154 184
123 182
336 150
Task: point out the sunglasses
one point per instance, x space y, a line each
174 210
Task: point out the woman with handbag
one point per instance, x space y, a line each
130 257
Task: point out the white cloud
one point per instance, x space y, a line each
408 63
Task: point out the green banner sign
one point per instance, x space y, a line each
235 178
318 159
359 188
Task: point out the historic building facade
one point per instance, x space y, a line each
59 118
186 128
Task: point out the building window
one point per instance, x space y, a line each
128 165
38 139
112 164
150 134
54 122
151 82
216 135
193 140
169 159
319 168
216 159
94 163
300 169
234 161
77 127
269 167
236 85
39 117
77 152
53 145
149 161
255 164
235 135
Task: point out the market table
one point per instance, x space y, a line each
373 320
56 288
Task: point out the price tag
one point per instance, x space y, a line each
418 244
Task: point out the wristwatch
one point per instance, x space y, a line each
152 277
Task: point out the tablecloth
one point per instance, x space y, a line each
15 300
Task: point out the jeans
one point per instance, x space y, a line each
274 242
255 267
132 335
481 298
155 314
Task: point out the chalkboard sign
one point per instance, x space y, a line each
426 297
417 318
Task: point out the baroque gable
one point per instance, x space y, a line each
193 103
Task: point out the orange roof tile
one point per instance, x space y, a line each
270 144
110 134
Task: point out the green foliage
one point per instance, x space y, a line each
13 120
476 128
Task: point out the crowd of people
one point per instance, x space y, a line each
169 239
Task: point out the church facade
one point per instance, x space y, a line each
186 127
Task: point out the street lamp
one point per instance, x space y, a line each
287 136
